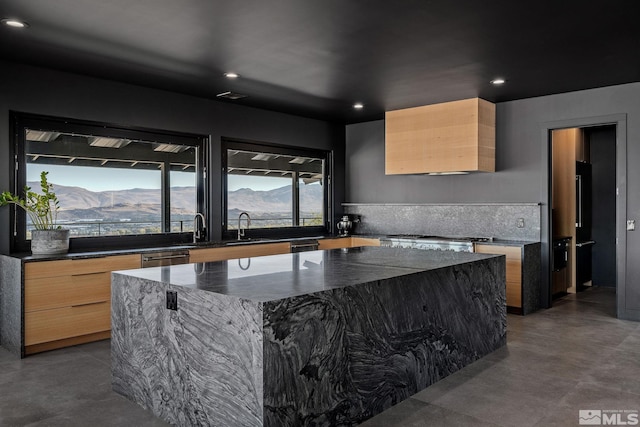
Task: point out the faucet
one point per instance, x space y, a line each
197 232
241 230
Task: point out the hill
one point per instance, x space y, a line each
137 204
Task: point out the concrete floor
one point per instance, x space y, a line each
557 361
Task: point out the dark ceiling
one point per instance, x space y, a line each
316 58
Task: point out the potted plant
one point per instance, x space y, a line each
47 238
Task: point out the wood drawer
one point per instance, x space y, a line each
514 294
66 267
66 322
513 270
344 242
364 241
61 291
511 252
239 251
347 242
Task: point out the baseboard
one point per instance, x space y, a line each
68 342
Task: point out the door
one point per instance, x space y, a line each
602 142
585 209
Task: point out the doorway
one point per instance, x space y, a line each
583 205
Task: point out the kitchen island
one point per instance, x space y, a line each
313 338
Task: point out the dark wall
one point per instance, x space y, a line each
602 145
40 91
522 164
367 183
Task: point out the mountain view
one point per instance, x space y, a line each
138 211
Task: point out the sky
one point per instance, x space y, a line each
105 179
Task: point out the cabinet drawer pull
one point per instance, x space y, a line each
88 303
88 274
159 258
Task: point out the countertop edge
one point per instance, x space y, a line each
444 204
399 271
26 257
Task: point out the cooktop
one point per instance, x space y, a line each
440 238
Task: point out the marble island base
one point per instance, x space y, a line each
333 347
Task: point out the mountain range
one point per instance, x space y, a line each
78 203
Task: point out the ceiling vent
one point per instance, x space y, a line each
231 95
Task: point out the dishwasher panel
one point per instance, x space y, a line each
158 259
304 245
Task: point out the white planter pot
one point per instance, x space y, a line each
49 242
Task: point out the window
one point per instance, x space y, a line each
112 182
280 188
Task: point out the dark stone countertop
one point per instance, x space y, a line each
28 257
276 277
494 241
504 242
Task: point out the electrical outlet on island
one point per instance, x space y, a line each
172 300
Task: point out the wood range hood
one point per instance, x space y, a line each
448 138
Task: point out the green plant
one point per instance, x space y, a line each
41 208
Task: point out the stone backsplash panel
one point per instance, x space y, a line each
519 221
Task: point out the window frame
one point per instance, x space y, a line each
19 122
278 232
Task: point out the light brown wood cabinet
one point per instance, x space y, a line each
456 136
513 270
238 251
347 242
364 241
262 249
342 242
68 302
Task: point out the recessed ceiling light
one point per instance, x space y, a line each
498 81
15 23
231 75
358 106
